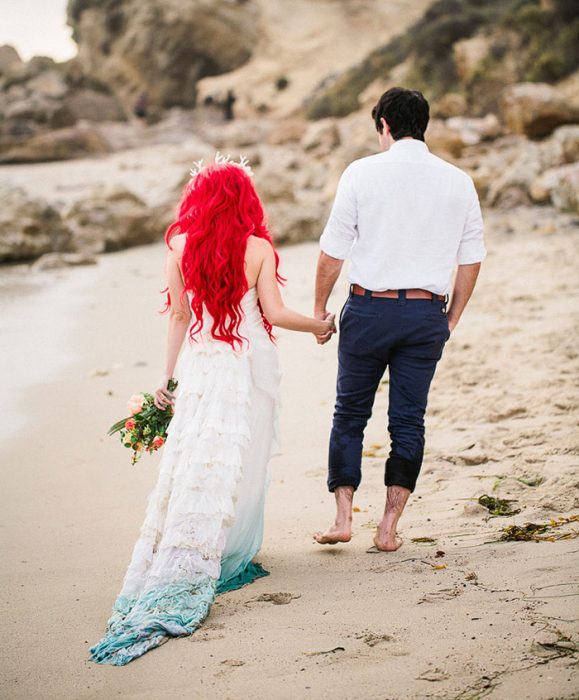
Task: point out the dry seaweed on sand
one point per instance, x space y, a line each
535 532
423 540
498 506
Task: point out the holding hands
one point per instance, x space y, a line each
329 327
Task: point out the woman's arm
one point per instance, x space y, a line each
179 320
276 312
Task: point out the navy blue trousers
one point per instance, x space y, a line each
408 337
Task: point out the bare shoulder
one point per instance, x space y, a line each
178 245
258 248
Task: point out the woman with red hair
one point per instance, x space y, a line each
204 519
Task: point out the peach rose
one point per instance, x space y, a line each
158 441
130 424
135 404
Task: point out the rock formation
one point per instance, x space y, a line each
111 219
161 47
60 144
29 227
40 103
536 109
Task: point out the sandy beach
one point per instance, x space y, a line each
463 617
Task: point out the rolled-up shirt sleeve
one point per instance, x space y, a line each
341 229
472 248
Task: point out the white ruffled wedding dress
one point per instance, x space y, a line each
204 517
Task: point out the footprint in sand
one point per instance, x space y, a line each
208 632
433 675
373 640
472 459
275 598
442 594
228 666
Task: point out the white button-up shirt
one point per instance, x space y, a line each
405 218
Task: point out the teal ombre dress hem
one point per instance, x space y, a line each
145 622
249 574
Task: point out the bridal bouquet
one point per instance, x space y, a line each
145 429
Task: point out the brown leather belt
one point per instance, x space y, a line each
395 293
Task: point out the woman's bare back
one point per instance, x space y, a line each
254 255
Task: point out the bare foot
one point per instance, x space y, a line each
333 535
387 543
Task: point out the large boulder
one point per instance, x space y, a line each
536 109
8 58
296 222
161 47
34 110
40 96
562 147
29 227
274 184
446 141
56 261
93 105
111 219
513 171
517 171
291 185
61 144
31 98
559 186
50 83
476 129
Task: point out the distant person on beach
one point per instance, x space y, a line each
141 108
205 516
406 219
228 103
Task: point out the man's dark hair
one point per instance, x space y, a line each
405 111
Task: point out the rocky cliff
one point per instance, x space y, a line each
465 47
161 47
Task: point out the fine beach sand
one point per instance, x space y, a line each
328 622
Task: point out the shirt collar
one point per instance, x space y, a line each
407 148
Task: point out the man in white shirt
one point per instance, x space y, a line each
406 219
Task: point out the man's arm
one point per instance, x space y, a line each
327 273
471 253
464 283
336 242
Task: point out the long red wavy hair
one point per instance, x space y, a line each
219 211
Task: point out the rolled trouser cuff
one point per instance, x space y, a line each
401 472
334 483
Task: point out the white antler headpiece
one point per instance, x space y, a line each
220 159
